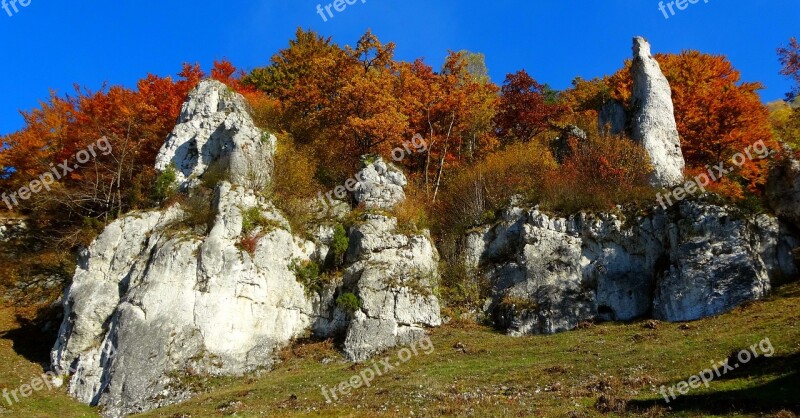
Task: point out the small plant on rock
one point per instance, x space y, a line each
308 274
348 302
165 186
340 244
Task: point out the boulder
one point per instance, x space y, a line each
380 184
653 120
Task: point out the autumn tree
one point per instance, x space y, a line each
366 113
479 138
718 115
526 108
785 117
586 97
305 79
134 123
790 59
451 109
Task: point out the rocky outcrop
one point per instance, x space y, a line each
612 119
393 275
11 228
215 127
171 302
783 188
166 295
549 274
653 123
380 185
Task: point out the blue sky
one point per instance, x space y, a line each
52 45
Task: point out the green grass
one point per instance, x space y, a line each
602 370
17 369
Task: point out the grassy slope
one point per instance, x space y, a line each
17 369
476 371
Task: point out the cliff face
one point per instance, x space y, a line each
696 260
153 301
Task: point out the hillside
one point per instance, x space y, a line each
475 371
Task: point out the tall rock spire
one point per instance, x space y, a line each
654 117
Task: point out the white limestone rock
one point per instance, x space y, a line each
653 123
215 127
380 185
393 275
549 274
168 302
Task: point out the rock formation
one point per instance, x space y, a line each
392 273
215 127
653 123
380 185
548 274
783 188
612 119
394 276
11 227
173 300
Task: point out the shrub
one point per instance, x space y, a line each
252 218
165 185
519 169
340 244
198 212
412 213
462 288
348 302
308 274
601 172
293 184
249 244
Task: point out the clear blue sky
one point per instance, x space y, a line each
53 44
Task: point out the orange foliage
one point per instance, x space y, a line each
717 114
135 123
599 173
